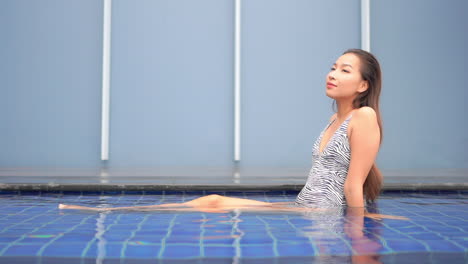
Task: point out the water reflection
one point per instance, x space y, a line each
336 236
345 232
99 236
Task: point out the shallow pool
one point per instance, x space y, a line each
33 230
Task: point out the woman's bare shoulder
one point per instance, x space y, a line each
363 117
365 114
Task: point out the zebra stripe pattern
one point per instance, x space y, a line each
325 183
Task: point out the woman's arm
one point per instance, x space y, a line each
364 143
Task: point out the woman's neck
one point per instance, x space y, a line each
344 108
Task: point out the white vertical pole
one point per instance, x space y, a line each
106 45
365 25
237 80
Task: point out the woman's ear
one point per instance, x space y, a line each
363 86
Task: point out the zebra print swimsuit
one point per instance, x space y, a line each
325 183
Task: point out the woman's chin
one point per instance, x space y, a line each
329 94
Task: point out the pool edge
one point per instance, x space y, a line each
214 187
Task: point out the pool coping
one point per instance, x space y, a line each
214 187
147 179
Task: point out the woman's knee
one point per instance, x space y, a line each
214 199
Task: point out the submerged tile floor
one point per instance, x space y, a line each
34 230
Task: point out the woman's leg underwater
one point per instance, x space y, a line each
215 200
205 202
143 207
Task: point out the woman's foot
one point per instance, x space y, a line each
66 206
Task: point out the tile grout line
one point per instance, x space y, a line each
168 234
268 230
24 235
41 250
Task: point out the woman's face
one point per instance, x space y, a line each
344 79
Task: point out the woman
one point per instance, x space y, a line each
343 173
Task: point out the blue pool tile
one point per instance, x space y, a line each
37 239
462 242
254 251
193 239
116 236
186 232
104 249
156 224
219 251
154 192
175 193
22 250
442 246
51 194
8 238
32 193
127 192
195 193
74 193
148 238
63 250
75 238
217 231
426 236
275 193
332 248
219 240
18 231
406 245
93 193
141 250
300 222
8 192
444 229
256 239
436 224
237 194
294 249
150 231
181 251
187 224
84 230
111 193
125 223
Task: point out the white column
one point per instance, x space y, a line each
237 80
365 25
106 45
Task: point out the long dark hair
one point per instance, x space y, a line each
370 72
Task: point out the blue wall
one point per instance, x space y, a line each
422 46
172 81
50 77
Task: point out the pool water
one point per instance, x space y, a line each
34 230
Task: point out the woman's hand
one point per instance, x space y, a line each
381 216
